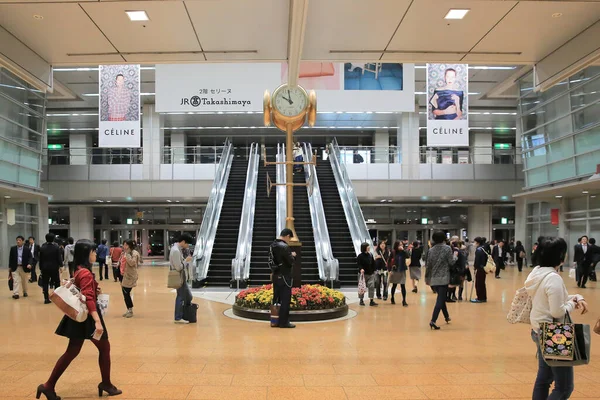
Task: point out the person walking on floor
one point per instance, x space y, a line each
102 254
520 255
499 255
19 264
415 265
34 249
366 266
594 258
481 257
382 258
398 270
51 260
93 328
178 263
551 302
69 256
130 275
582 257
437 274
114 256
283 258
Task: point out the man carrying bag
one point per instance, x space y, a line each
281 263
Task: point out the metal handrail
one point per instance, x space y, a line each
327 264
281 190
354 216
240 265
208 229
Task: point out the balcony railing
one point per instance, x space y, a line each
95 155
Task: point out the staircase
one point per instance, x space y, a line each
219 270
265 218
303 225
339 234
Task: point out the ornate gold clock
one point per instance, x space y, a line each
290 107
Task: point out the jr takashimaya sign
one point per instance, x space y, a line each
447 105
119 106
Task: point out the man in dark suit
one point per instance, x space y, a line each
594 258
51 260
34 249
583 255
500 256
19 265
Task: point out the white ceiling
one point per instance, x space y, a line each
87 32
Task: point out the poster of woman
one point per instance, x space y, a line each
447 105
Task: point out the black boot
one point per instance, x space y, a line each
373 304
362 302
393 301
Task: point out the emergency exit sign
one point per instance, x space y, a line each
502 146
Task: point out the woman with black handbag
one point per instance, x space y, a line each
550 302
92 328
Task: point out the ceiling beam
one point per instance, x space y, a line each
297 28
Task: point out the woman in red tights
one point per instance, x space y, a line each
77 332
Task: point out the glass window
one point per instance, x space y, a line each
586 163
538 176
534 99
560 150
588 140
587 117
561 170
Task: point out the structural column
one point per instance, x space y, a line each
480 222
5 241
152 142
408 144
178 143
82 222
79 143
43 215
145 242
521 222
481 143
381 140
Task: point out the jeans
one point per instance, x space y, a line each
440 302
282 294
561 376
102 263
184 297
127 297
381 278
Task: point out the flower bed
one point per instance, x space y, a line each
307 297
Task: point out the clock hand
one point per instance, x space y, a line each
288 100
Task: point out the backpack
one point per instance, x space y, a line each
490 266
273 266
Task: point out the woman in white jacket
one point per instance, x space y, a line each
551 302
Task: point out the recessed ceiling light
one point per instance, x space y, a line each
137 15
7 197
168 201
585 192
558 197
38 17
556 15
593 197
456 13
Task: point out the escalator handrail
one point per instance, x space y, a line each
240 265
281 190
354 216
328 265
208 229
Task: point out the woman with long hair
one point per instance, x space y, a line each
93 327
130 274
438 262
550 302
519 255
382 257
415 265
398 271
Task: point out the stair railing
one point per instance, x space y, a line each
354 216
281 190
240 265
328 265
206 234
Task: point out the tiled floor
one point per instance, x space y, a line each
384 353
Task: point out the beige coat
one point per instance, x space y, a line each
130 275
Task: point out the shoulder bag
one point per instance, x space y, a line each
565 344
70 301
175 279
490 266
520 308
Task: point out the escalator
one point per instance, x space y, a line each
264 226
304 229
226 239
339 233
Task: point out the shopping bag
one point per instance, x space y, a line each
362 285
70 301
565 344
520 308
275 314
103 300
573 273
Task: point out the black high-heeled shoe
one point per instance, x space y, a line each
448 320
50 394
393 301
111 390
433 326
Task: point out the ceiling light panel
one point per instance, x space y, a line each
137 15
456 13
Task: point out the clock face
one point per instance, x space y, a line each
290 100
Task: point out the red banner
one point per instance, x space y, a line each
554 216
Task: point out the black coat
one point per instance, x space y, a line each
499 260
480 258
415 257
13 258
365 261
51 258
282 255
35 254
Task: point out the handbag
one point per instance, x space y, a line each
362 285
275 314
520 308
70 301
490 266
597 327
522 254
565 344
175 279
573 273
10 282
